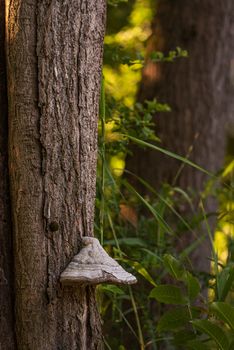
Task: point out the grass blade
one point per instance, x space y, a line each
168 153
224 312
214 331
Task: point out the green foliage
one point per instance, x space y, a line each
143 232
213 331
140 269
193 286
224 312
173 266
215 320
168 294
131 121
172 55
198 345
117 54
225 280
174 319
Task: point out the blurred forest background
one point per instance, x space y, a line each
165 205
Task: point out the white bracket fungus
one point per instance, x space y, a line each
92 265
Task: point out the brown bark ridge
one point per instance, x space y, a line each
7 339
199 89
54 57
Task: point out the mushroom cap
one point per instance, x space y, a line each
92 265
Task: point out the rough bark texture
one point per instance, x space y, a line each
199 89
6 254
54 54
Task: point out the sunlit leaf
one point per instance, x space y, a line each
228 169
140 269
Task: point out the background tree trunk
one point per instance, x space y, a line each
54 55
199 90
6 254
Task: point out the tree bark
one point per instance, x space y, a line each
54 56
199 89
7 340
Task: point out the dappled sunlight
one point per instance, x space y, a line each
122 81
122 84
139 28
224 234
142 14
221 243
117 165
110 134
225 228
128 35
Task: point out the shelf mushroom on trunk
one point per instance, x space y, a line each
92 265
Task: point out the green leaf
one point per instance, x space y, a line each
215 332
193 285
231 347
224 312
168 294
121 347
111 289
228 169
173 266
140 269
197 345
225 280
181 337
173 319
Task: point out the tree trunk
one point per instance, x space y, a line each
199 90
54 55
6 254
